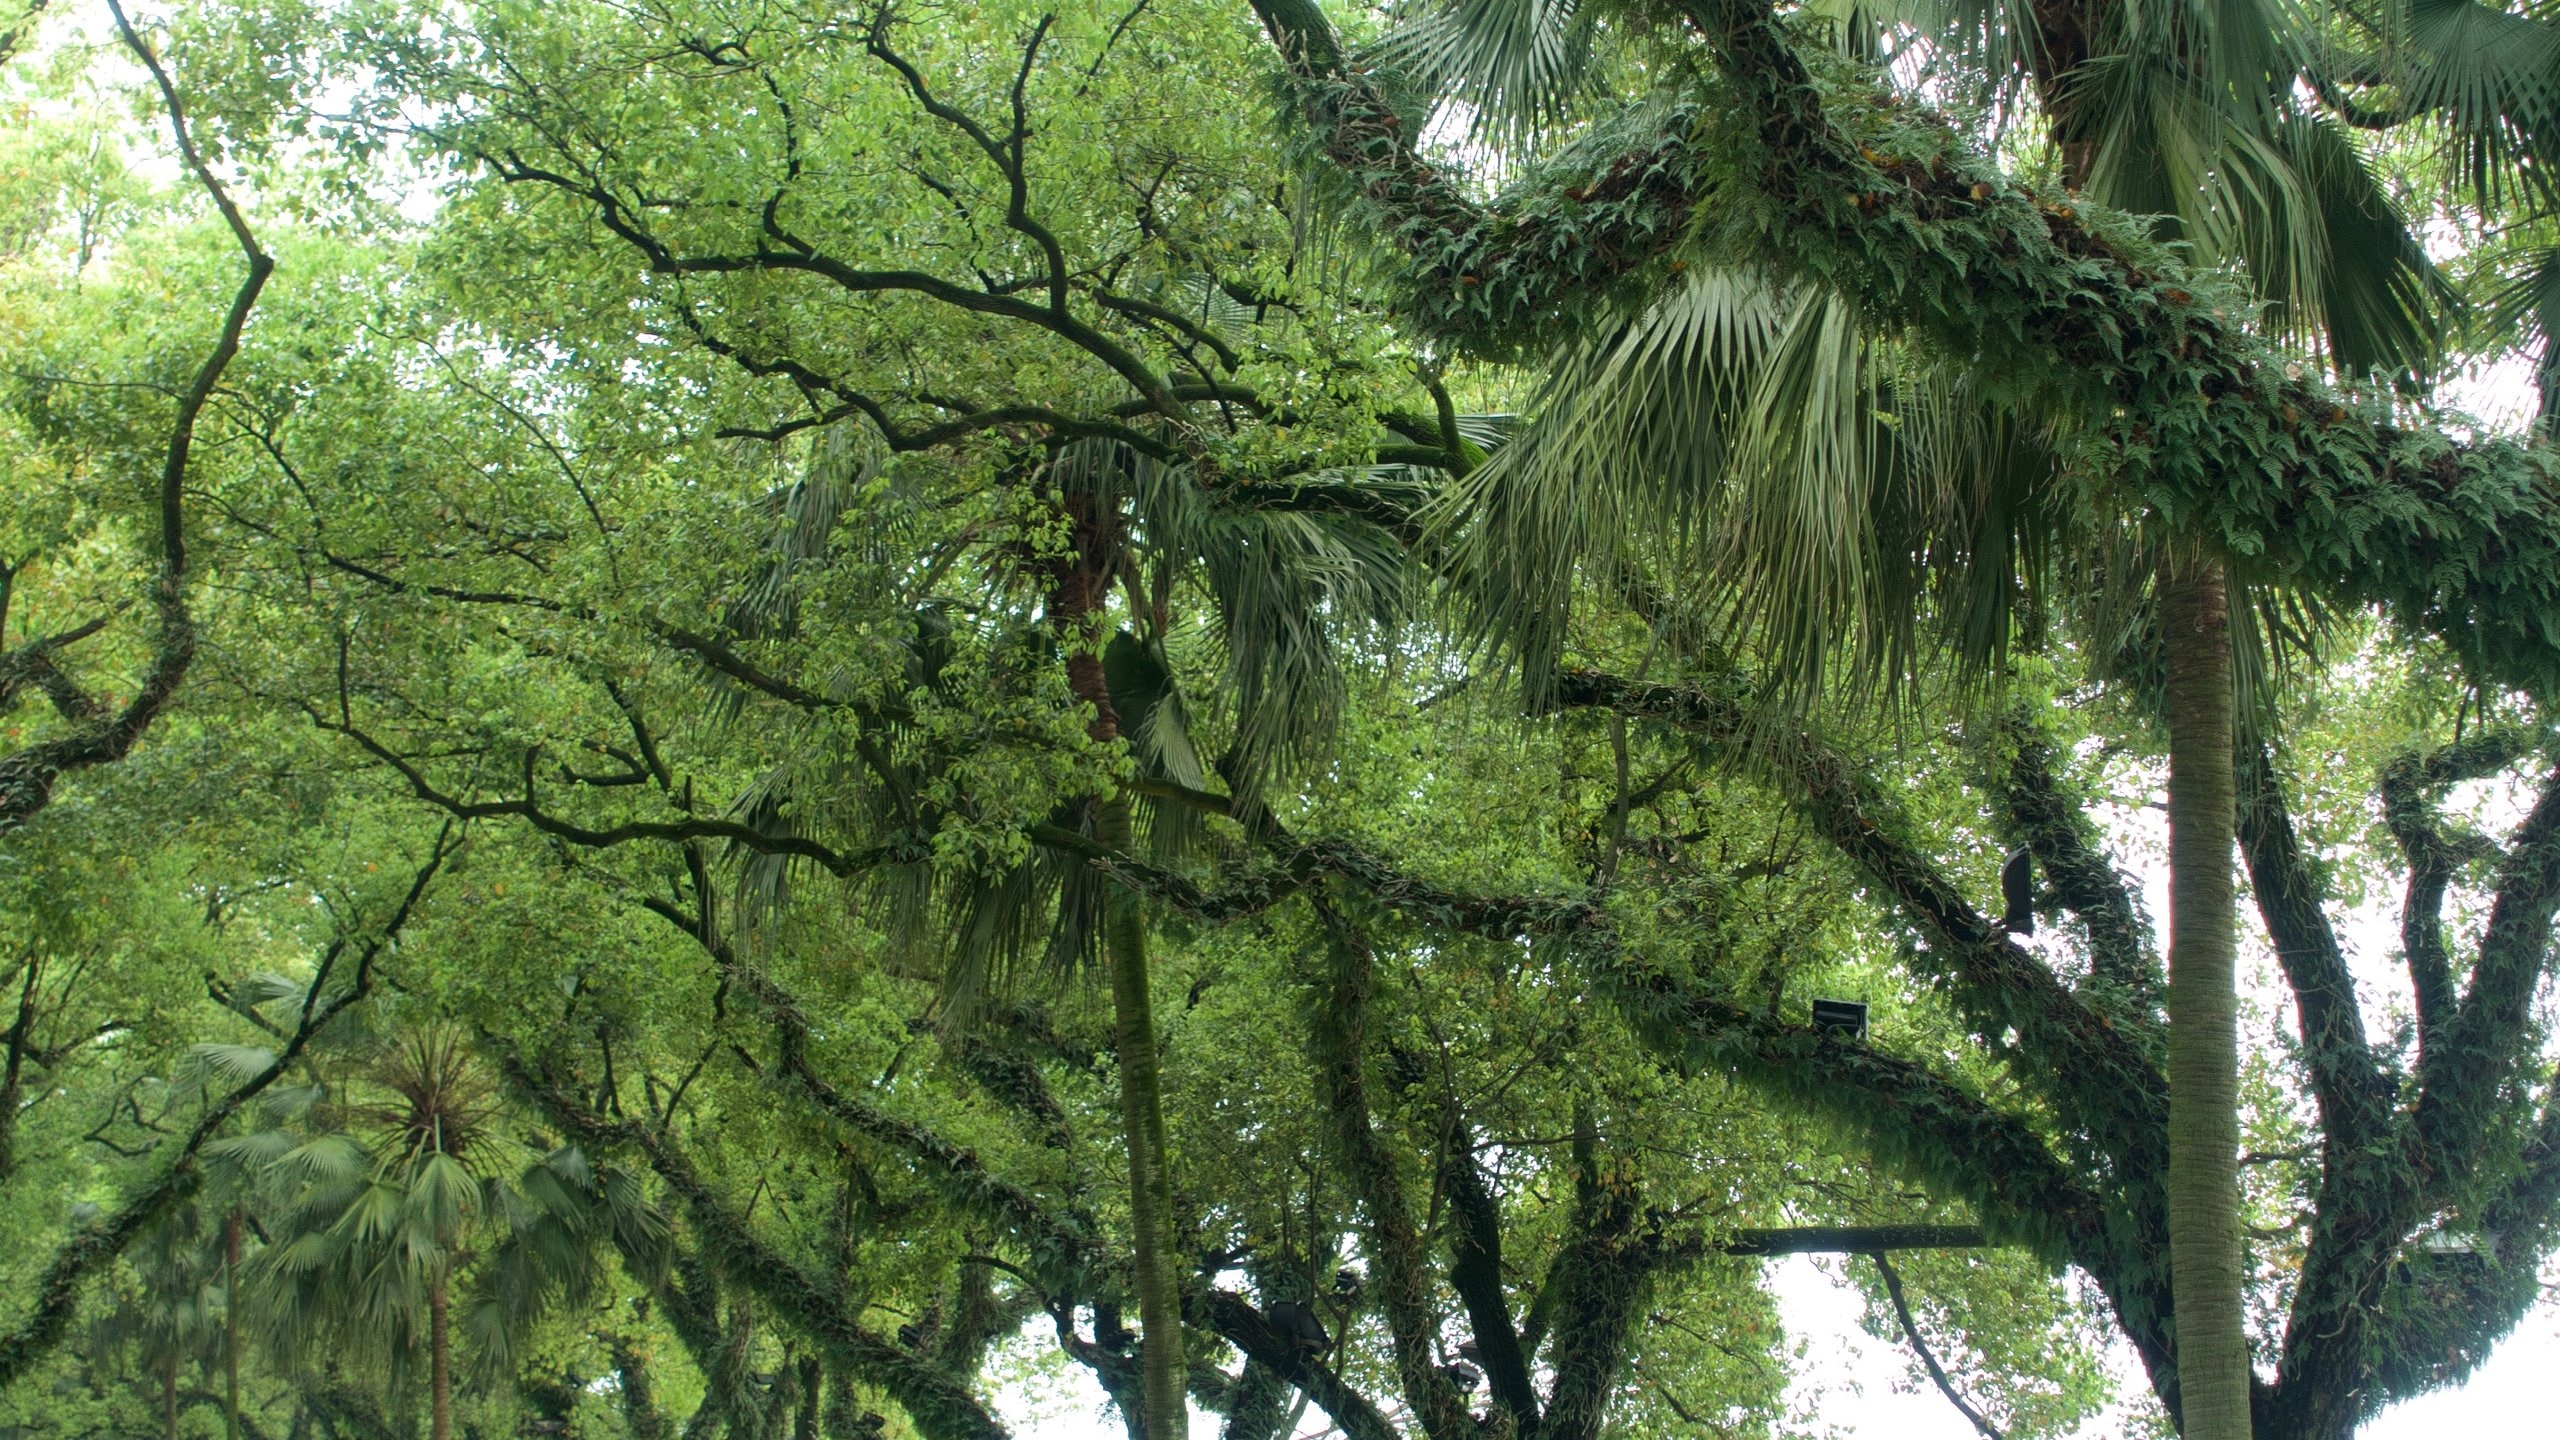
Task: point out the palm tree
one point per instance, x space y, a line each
1145 543
1277 587
2195 114
181 1313
401 1196
1848 484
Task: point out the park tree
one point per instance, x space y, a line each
1444 233
763 554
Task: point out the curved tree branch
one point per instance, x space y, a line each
1832 179
27 777
2346 1076
1064 1255
1475 1252
2485 1041
2056 827
1911 1332
2411 784
2094 1073
941 1406
1339 1046
1233 1317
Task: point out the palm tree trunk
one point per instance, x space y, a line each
1080 592
439 1362
231 1324
2204 1035
169 1399
1124 941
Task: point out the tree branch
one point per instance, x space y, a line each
2411 784
1063 1253
1234 1317
2346 1076
1338 1034
2094 1074
57 1291
1911 1332
941 1406
1853 1239
745 837
1475 1262
1603 1266
1908 1116
2056 828
2485 1041
27 778
1879 200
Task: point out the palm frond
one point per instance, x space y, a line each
845 460
1826 482
1632 433
230 1064
2494 76
2377 299
2525 310
266 988
1518 67
1155 719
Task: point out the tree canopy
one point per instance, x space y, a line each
749 720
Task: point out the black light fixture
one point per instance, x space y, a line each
1845 1018
2018 893
1295 1323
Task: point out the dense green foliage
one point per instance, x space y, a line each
833 704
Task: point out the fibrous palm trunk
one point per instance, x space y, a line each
1079 594
1142 1117
169 1399
439 1362
231 1325
2204 1038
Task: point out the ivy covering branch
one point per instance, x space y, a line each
1814 172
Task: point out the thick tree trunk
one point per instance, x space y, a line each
2204 1039
439 1362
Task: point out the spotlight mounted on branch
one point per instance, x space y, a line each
2018 893
1298 1327
1844 1018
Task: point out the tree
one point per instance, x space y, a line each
179 1318
707 574
1434 222
1118 492
403 1197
